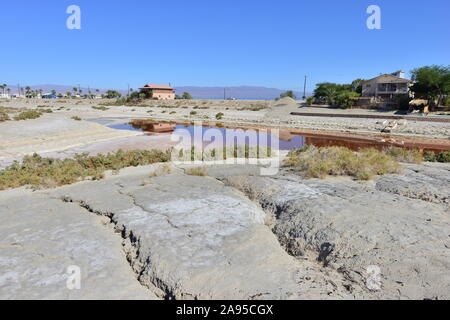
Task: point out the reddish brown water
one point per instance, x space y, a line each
289 139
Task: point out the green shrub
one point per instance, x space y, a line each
219 116
193 113
29 114
446 101
76 118
429 156
48 172
100 108
443 157
309 101
345 99
186 95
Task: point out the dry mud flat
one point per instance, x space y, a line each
52 132
187 237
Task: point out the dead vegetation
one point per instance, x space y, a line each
162 170
405 155
4 117
224 153
256 193
314 162
197 171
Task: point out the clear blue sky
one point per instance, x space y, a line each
217 43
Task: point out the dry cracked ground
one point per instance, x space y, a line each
231 235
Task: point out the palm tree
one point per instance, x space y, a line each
2 87
331 93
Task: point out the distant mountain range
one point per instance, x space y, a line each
238 92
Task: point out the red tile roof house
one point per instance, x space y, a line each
158 91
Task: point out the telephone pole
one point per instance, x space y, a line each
304 88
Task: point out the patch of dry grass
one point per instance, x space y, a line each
256 193
163 170
313 162
41 172
8 110
226 152
4 117
405 155
197 171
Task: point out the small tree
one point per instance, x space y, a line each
345 99
357 85
111 94
186 96
431 83
289 94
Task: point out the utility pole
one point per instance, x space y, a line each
224 94
128 90
304 88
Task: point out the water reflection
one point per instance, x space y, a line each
284 139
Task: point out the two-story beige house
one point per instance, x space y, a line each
158 91
387 87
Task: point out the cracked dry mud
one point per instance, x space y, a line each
187 237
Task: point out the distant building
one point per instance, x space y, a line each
158 91
49 96
387 86
4 96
